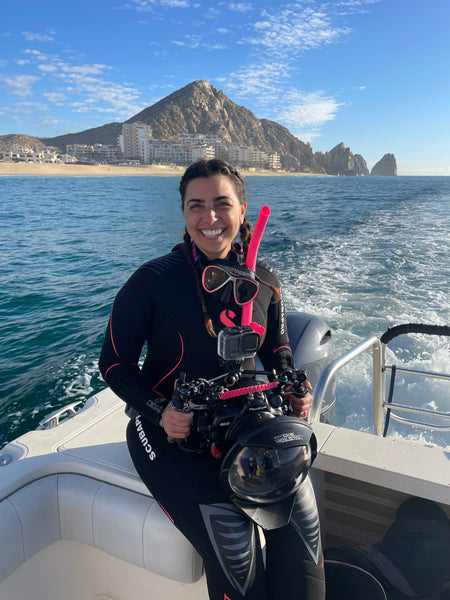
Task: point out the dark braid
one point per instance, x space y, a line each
206 318
275 290
245 232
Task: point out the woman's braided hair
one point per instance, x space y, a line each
209 168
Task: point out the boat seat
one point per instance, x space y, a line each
125 524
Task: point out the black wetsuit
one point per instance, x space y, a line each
159 306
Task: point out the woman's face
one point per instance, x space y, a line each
213 214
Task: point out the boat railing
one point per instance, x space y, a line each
383 409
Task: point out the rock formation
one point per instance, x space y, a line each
386 167
341 161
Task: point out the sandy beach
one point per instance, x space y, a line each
63 170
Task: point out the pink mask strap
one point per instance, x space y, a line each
194 252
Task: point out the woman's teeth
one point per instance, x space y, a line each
212 232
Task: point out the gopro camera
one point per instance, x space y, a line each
238 343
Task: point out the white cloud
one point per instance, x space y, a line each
87 85
195 41
259 80
240 6
21 111
20 85
48 69
190 41
279 39
290 31
56 98
150 5
355 6
37 55
38 37
212 13
308 109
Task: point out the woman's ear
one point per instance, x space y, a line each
243 209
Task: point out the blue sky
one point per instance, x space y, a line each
373 74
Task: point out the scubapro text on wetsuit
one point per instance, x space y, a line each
144 439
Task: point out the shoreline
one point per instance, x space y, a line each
69 170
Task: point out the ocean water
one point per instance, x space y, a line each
364 254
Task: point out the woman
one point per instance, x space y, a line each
166 305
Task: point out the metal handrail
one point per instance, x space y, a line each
379 387
330 370
421 373
419 411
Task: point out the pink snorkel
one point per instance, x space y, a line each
247 309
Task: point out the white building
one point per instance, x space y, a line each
28 155
134 140
201 152
236 154
104 153
183 149
274 161
82 152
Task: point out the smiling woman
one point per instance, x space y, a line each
178 305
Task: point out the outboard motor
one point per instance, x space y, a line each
313 349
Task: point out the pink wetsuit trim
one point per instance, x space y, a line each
111 333
176 366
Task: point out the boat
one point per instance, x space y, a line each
77 523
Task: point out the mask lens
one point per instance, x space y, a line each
214 278
245 290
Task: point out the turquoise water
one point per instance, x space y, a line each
364 254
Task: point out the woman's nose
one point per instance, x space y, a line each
210 215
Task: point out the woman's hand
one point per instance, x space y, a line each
175 423
301 406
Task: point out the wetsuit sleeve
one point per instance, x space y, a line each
129 326
275 352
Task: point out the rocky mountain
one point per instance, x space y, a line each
8 142
387 166
201 108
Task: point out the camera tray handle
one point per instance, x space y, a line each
261 387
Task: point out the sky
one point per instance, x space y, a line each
373 74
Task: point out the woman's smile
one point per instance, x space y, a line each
210 233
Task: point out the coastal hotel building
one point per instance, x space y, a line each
136 143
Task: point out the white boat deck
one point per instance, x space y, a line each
96 523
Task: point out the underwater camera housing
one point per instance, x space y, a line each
265 452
